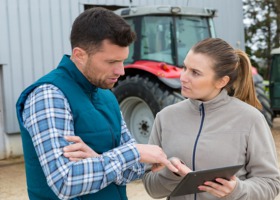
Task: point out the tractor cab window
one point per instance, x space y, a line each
166 38
156 38
189 31
131 47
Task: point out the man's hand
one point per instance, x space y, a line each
79 150
153 154
183 170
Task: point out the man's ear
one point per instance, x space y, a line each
79 56
222 82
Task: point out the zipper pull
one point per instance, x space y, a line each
201 109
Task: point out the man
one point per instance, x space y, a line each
74 100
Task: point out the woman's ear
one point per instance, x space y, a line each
222 82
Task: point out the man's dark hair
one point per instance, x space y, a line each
94 25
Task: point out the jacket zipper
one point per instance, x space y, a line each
202 114
111 131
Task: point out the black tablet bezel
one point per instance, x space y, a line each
192 180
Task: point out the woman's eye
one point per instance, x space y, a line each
195 73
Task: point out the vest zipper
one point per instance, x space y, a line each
113 138
93 90
202 114
111 131
91 96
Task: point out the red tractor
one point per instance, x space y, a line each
151 82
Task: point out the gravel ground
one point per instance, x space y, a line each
13 187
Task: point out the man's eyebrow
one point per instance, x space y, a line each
116 60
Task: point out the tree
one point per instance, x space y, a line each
262 30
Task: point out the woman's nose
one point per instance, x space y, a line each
184 76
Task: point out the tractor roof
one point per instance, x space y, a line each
275 51
164 9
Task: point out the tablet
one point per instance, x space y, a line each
192 180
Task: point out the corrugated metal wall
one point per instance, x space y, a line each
35 34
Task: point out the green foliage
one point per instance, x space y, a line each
262 30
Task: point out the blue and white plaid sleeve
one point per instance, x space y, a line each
47 116
135 171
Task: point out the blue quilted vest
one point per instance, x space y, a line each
97 121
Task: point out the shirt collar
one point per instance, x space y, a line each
69 66
221 99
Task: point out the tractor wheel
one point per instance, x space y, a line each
266 110
140 99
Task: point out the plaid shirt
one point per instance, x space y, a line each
47 117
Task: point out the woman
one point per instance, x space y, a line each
218 125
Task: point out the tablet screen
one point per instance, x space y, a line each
192 180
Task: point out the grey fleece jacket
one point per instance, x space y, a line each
232 132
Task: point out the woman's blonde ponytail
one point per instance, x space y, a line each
244 86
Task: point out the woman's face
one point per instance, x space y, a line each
197 78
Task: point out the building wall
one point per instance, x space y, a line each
35 35
229 21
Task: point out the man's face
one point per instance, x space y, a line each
104 67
